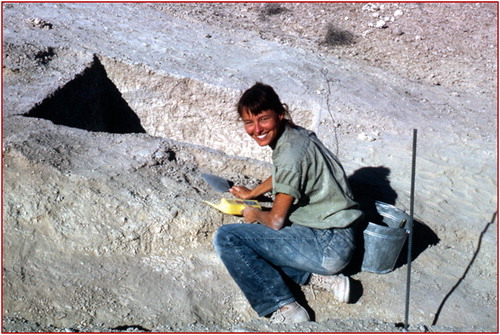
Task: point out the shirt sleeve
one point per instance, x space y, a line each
287 181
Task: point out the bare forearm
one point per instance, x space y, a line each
274 219
271 220
244 193
264 187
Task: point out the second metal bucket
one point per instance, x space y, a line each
383 242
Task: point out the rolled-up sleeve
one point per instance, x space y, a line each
287 181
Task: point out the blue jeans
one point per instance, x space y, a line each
257 257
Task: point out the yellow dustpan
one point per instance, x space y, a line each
234 206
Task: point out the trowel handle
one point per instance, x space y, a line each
402 224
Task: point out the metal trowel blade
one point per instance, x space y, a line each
218 183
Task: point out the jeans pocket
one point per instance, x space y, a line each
338 252
323 236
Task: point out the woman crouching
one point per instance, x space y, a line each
308 234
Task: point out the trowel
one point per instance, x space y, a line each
218 183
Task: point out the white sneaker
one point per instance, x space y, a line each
339 285
291 313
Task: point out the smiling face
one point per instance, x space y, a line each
264 127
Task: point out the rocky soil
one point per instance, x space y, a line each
111 113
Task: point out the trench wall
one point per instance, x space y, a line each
188 110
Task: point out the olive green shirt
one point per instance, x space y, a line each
306 170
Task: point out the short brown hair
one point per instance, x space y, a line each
261 97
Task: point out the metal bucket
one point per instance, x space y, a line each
383 242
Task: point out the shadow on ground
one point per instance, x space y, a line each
369 185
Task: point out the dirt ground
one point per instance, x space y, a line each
111 113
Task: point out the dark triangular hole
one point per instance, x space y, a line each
90 101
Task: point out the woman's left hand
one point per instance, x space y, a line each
274 219
251 214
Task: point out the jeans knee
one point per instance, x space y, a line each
219 239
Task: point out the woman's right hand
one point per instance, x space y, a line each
241 192
246 194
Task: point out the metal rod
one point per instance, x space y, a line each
410 237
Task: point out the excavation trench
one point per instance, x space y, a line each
116 97
110 96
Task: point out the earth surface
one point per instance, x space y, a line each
113 111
